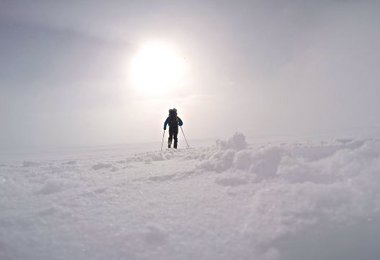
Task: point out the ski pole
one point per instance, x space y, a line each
185 137
163 136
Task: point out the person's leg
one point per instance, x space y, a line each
170 138
175 138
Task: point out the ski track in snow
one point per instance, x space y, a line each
227 201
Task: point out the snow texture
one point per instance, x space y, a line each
232 200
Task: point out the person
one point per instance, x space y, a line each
173 121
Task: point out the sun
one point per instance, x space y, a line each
157 68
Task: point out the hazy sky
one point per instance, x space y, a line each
259 67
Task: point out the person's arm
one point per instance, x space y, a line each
166 123
180 123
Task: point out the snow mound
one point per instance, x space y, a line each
237 142
234 154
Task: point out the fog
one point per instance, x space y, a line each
264 68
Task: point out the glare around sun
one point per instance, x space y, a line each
157 68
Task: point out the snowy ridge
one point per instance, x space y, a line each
232 200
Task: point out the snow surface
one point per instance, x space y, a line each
231 200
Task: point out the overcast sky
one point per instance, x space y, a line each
259 67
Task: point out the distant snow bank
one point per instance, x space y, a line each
232 200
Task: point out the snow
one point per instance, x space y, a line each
231 200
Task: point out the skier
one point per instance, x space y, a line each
173 121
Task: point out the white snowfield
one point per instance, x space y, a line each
232 200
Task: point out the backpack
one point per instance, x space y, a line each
173 119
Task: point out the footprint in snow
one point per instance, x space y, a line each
99 166
154 236
231 181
